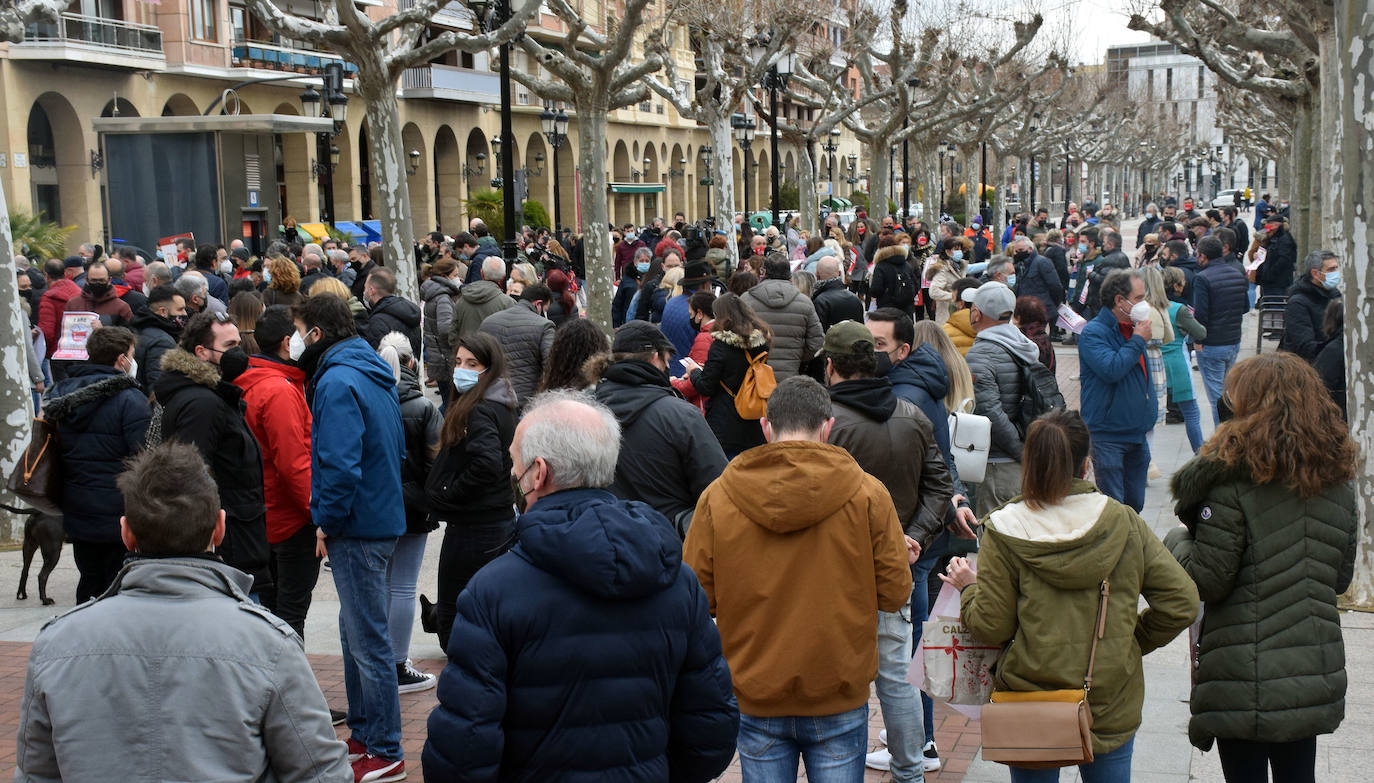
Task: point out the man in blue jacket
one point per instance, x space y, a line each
356 444
1118 399
586 652
1220 301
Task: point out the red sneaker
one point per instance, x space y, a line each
356 750
374 769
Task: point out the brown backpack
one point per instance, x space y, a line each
751 399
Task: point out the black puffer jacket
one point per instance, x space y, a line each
156 336
726 363
1037 277
797 334
101 420
662 436
1303 317
527 337
1105 265
470 480
1220 301
1275 275
394 314
834 303
201 409
422 424
893 279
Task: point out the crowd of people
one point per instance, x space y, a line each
764 439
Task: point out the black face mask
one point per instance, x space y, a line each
1021 255
97 290
233 363
884 364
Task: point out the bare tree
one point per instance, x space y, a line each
594 73
382 50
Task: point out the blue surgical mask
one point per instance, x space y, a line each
1011 281
642 267
1333 280
957 255
464 379
266 275
1082 248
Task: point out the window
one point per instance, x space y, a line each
1199 81
1169 81
203 20
238 21
466 60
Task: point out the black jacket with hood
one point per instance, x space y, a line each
422 425
668 454
470 481
726 363
394 314
156 336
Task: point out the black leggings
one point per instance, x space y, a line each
466 548
1243 761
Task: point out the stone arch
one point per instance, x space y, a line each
448 181
60 166
563 211
367 185
621 207
652 174
762 181
479 165
180 105
126 109
418 184
677 184
539 172
345 195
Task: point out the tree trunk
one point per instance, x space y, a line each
1305 210
722 166
386 157
806 190
16 406
591 188
878 177
1354 181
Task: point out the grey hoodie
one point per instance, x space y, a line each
998 386
475 302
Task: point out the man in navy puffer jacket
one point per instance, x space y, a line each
587 652
1220 302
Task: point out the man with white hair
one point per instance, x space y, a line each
479 299
1035 275
156 274
589 645
196 291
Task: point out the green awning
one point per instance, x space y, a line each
837 204
636 187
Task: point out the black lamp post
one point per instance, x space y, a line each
491 14
830 145
744 134
556 132
1035 120
778 75
853 167
708 181
332 104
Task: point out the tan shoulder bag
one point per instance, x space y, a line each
1044 729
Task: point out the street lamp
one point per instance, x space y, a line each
555 128
413 165
705 154
853 166
912 83
831 144
1034 127
470 170
744 134
331 104
499 181
779 73
491 14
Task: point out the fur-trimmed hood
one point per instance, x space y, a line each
62 407
1191 483
892 254
180 361
757 339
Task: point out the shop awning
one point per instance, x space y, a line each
837 204
352 229
637 187
373 229
318 232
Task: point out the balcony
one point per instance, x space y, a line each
451 14
450 83
93 41
270 57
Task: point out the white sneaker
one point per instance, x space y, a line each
410 680
879 759
882 736
931 757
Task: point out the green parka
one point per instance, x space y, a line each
1269 565
1038 588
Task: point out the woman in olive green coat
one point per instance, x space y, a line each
1268 534
1042 559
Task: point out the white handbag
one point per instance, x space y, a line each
970 437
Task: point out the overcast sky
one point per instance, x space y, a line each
1098 25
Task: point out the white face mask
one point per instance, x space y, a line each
296 346
132 372
226 267
1140 312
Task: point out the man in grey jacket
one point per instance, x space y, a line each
797 334
998 388
527 337
173 674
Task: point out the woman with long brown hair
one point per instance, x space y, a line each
1046 560
1268 535
469 487
574 342
738 335
283 282
245 308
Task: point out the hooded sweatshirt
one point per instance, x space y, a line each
998 385
1038 590
475 302
796 573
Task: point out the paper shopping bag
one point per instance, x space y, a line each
956 666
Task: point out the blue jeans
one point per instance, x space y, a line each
897 697
360 569
1111 767
1192 422
1122 470
401 575
832 746
920 612
1214 361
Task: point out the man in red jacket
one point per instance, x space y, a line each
54 301
274 393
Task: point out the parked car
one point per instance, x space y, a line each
1226 198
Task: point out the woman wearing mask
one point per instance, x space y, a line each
283 282
469 487
701 310
738 335
1029 317
421 423
1180 379
629 287
648 281
1269 536
437 294
1045 561
944 271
